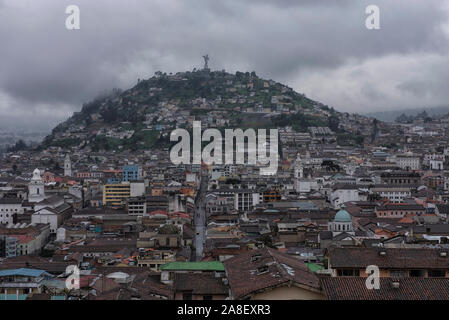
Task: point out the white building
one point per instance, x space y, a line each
245 200
52 216
395 194
436 164
36 192
344 193
67 166
408 161
137 188
9 208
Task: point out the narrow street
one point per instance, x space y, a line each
200 217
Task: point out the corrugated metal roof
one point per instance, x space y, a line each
314 267
203 266
23 272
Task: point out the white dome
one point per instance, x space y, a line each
118 275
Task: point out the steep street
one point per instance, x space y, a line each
200 217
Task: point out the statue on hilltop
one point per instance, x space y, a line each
206 62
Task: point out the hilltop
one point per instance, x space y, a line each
142 116
393 115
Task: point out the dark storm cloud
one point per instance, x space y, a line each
321 48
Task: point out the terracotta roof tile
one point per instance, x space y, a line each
261 269
354 288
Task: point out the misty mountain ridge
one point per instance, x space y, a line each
142 117
391 116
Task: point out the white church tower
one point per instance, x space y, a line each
67 166
299 168
36 191
299 172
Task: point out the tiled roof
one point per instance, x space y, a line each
432 229
443 208
11 201
401 206
200 283
266 268
398 258
354 288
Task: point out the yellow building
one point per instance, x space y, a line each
272 195
114 195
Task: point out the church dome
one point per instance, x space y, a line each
342 215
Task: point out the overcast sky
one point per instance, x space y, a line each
320 48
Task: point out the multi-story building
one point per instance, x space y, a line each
137 188
157 203
116 194
9 208
272 195
400 177
83 175
132 172
399 210
394 193
154 259
10 247
408 161
219 204
16 284
137 206
245 200
52 215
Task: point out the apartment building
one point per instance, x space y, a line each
116 194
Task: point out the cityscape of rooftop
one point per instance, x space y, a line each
224 152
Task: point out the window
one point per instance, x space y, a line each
398 274
436 273
417 273
262 270
348 272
